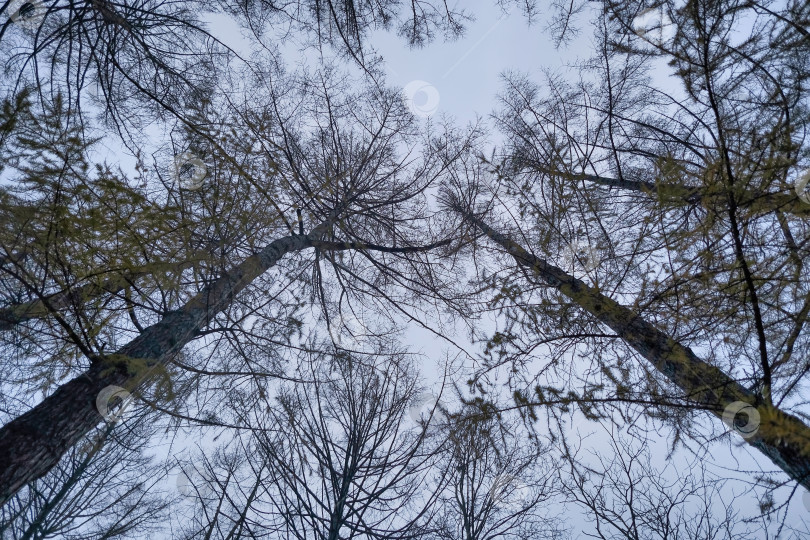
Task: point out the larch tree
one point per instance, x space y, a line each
640 245
669 223
627 496
344 457
367 202
106 487
498 485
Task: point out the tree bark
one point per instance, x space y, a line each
33 443
14 314
782 437
669 192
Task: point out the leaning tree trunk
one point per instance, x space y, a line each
782 437
33 443
40 308
762 203
14 314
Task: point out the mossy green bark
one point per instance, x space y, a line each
782 437
33 443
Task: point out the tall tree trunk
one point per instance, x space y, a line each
782 437
33 443
14 314
668 192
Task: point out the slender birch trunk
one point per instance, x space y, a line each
782 437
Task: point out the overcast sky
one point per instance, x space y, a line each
461 80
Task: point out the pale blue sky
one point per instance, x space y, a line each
466 73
